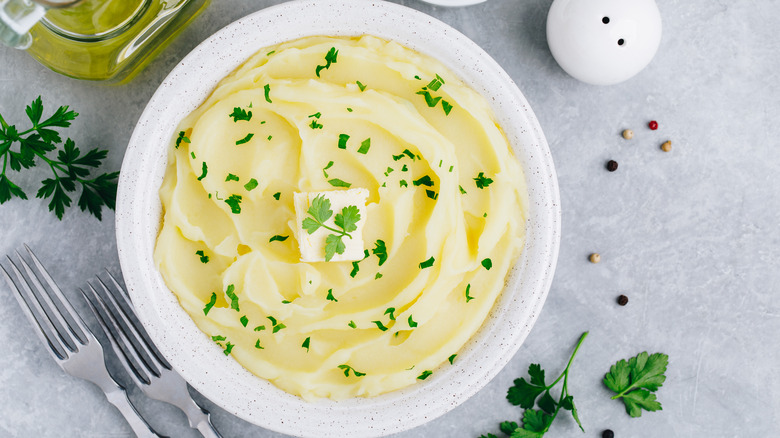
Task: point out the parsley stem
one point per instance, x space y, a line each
571 359
341 232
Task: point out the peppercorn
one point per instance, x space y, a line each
612 165
622 300
653 125
607 434
667 146
628 134
594 258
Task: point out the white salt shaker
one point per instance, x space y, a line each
603 42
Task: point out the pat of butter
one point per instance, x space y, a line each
312 246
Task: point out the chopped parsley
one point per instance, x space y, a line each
412 323
389 171
316 115
228 348
286 301
424 180
451 167
436 83
429 100
205 171
272 319
425 374
324 169
278 238
355 266
380 251
330 58
487 263
397 157
244 320
267 89
251 185
431 194
335 182
428 263
452 358
330 296
259 328
218 338
343 141
446 106
481 181
306 344
245 139
405 168
364 146
409 154
348 368
390 311
417 77
270 137
403 183
240 114
192 154
361 86
270 53
380 326
277 195
234 201
230 292
377 276
278 327
315 123
352 324
258 346
463 192
181 138
203 257
349 109
210 304
231 177
468 297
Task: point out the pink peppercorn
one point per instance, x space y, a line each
653 125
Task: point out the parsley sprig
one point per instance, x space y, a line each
536 422
636 380
347 220
69 168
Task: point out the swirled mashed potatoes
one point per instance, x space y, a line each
444 217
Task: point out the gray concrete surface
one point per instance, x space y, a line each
692 237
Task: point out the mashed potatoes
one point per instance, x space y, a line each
444 222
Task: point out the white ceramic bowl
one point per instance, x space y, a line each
223 380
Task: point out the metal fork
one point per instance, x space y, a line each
71 344
146 366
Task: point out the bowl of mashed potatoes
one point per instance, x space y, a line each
338 218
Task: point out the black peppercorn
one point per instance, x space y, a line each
612 165
607 434
622 300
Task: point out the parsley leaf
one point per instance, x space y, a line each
330 58
306 344
320 211
636 380
335 182
181 138
361 86
348 368
234 201
481 181
228 348
330 164
240 114
364 146
244 320
251 185
330 296
429 99
425 374
348 218
230 292
343 141
210 304
380 251
203 257
446 106
333 245
231 177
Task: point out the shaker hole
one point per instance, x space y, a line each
605 20
620 42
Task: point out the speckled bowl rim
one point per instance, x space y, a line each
200 361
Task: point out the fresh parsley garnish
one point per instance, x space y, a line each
425 374
240 114
231 177
343 141
69 168
204 172
403 183
277 195
258 346
429 99
536 422
228 348
468 297
335 182
432 194
446 106
217 338
203 257
452 358
234 201
423 180
487 263
251 185
319 212
259 328
315 122
210 304
245 139
267 91
230 292
348 368
244 320
330 296
380 251
463 192
636 380
356 266
278 238
352 324
306 344
481 181
278 327
330 58
364 146
380 326
412 323
391 312
436 83
182 138
428 263
377 276
361 86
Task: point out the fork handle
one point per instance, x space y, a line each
199 419
118 398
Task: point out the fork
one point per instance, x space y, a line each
143 362
71 344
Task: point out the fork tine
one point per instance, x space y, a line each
140 334
138 377
84 333
43 332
